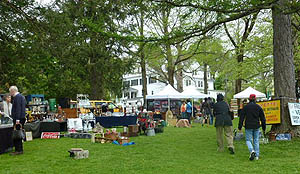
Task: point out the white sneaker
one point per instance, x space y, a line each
256 158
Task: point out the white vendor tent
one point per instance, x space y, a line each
167 93
246 93
192 92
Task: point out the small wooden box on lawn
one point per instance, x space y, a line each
123 140
79 153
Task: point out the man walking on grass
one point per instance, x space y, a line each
223 124
253 114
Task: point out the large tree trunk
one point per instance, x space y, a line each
205 79
179 72
170 68
238 82
179 78
167 45
284 70
144 77
143 60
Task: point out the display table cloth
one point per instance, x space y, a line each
116 121
33 127
6 142
38 127
53 126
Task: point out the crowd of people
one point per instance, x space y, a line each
189 111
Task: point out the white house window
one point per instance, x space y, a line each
141 81
188 82
126 84
134 82
133 94
152 80
208 74
201 84
126 94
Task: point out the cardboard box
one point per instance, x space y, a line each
123 140
79 153
133 128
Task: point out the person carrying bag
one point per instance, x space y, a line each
18 133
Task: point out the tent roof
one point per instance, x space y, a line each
192 92
167 92
246 93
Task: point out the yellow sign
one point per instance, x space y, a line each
272 111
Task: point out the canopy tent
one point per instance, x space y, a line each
167 93
192 92
246 93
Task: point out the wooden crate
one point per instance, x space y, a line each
133 128
123 141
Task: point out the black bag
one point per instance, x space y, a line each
18 134
231 114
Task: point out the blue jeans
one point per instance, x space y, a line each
211 119
252 140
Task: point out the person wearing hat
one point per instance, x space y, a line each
223 124
253 114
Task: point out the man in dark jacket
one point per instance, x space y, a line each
18 115
253 114
223 123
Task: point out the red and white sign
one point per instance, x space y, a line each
50 135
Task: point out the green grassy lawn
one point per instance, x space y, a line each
177 150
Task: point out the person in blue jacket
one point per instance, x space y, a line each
189 110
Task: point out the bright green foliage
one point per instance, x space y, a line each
58 55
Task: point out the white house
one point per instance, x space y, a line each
132 94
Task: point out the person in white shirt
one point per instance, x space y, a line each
7 106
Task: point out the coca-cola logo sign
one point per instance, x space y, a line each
50 135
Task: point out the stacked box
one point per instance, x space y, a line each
234 106
133 130
81 154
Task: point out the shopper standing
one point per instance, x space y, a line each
6 108
189 109
206 110
18 115
183 110
253 114
211 106
223 123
